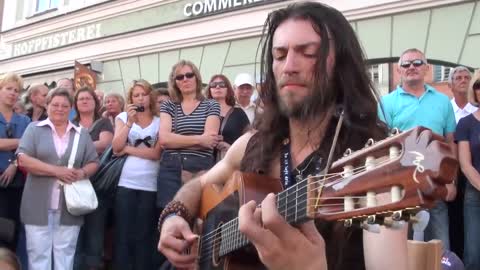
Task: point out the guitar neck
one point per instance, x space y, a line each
291 204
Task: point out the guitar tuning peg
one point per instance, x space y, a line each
397 215
347 152
347 223
371 219
369 143
373 228
394 131
392 224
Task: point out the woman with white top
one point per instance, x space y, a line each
136 135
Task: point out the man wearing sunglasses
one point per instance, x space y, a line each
414 103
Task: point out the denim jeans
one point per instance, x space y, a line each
90 242
471 210
437 227
169 179
134 232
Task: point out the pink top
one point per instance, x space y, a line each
61 144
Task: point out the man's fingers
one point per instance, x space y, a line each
178 245
249 224
311 232
179 260
273 221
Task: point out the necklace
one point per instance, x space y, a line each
299 176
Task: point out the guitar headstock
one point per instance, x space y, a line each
386 179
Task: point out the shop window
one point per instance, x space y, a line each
440 73
375 73
43 5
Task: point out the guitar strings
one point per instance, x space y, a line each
227 227
355 171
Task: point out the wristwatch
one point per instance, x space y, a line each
13 161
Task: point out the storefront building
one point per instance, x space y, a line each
123 40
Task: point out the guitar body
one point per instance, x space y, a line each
219 206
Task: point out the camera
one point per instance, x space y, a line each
139 108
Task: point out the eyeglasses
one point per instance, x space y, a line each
219 84
180 77
415 63
9 131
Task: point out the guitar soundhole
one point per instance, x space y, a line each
216 246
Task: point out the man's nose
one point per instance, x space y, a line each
291 63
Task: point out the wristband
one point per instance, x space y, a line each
174 208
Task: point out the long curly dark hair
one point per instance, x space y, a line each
348 87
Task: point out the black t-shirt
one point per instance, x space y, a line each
237 123
468 129
98 126
42 117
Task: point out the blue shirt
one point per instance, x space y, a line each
404 111
18 124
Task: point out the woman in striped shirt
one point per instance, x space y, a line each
189 126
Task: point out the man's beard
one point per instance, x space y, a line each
310 105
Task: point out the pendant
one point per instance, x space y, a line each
299 178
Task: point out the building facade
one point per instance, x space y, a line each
123 40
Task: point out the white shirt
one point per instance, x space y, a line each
249 110
139 173
460 113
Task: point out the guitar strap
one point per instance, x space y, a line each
288 178
286 165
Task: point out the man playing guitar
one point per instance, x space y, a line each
315 75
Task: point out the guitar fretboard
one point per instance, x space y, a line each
291 204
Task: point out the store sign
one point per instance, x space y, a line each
204 7
59 39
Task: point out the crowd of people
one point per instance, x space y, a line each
177 140
168 135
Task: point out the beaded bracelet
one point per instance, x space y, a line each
174 208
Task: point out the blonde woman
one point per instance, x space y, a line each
12 127
136 135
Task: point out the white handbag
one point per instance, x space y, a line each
80 196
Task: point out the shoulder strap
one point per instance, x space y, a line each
175 117
224 121
73 153
95 124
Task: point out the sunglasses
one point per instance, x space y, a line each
180 77
219 84
9 131
415 63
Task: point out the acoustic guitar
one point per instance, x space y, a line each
410 169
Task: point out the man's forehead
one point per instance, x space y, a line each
295 33
462 73
412 56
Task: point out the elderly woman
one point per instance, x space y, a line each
12 126
114 104
90 242
35 99
44 151
234 120
136 135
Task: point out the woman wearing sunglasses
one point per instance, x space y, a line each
12 126
189 126
234 121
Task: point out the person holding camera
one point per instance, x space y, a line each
135 213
